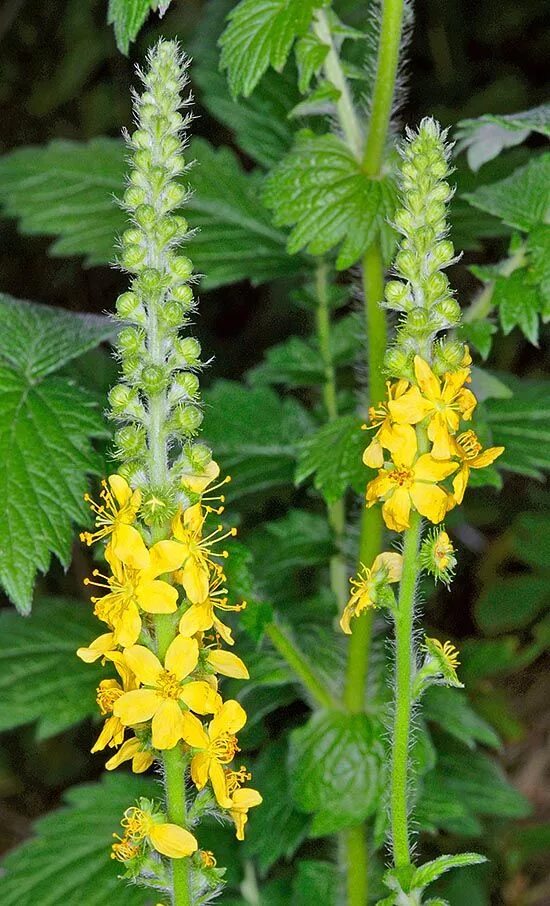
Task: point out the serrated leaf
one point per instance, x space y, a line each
334 764
68 189
522 426
45 432
333 455
321 191
519 304
41 678
450 709
128 16
511 603
485 137
319 102
431 871
260 34
479 334
316 882
522 199
255 435
310 56
538 264
69 853
278 810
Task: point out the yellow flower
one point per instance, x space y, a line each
114 517
218 747
131 590
468 448
168 839
198 483
194 574
163 690
102 647
207 858
242 798
443 660
395 435
443 551
444 402
387 567
202 616
131 750
411 482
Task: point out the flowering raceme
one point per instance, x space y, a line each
164 579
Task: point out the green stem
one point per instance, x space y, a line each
404 673
332 66
174 784
337 510
295 658
357 877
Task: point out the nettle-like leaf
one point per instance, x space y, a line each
127 17
46 427
317 882
260 34
68 189
522 199
485 137
320 190
41 679
334 768
451 710
333 455
255 435
431 871
519 304
69 853
522 425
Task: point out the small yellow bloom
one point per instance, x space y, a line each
444 660
468 449
102 647
131 750
411 482
393 434
387 567
198 483
202 616
133 590
218 747
207 858
168 839
163 691
443 401
197 562
115 517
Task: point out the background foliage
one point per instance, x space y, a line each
481 756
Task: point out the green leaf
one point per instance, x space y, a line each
128 16
451 710
321 191
310 56
522 199
511 603
260 34
333 455
334 766
278 811
255 435
522 426
538 264
68 189
41 678
45 431
485 137
431 871
316 882
519 304
69 853
479 334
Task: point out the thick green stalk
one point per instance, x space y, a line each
294 657
337 510
404 672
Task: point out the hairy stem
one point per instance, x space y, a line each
322 696
337 510
404 668
347 116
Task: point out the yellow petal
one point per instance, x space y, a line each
485 458
120 488
157 596
216 775
245 798
195 579
166 727
112 734
128 627
378 487
427 381
201 697
127 751
452 382
193 732
399 440
230 719
172 841
137 706
373 457
391 563
199 769
227 664
98 648
198 483
410 408
166 556
438 433
144 664
426 468
128 545
141 762
467 403
193 518
197 618
345 619
182 656
223 631
430 500
396 510
460 482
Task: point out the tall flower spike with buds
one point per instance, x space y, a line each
164 574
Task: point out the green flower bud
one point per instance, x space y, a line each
442 254
398 363
145 216
131 341
158 505
131 441
181 267
170 228
200 456
143 160
187 419
172 313
188 349
154 379
129 308
398 295
184 294
173 196
133 258
185 386
132 236
418 321
448 311
151 284
141 139
447 356
133 197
